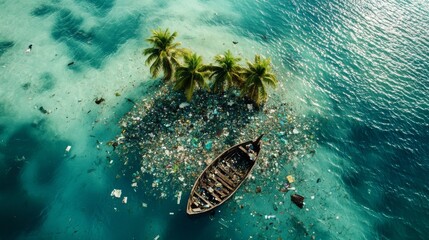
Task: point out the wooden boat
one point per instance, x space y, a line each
223 176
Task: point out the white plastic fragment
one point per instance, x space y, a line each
181 178
250 107
312 197
144 205
180 148
270 216
156 238
183 105
179 197
134 184
68 148
171 213
295 131
124 201
116 193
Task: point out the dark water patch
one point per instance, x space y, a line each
2 128
20 212
97 7
5 45
47 82
117 32
91 47
26 86
66 25
44 10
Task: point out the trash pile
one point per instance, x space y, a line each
166 142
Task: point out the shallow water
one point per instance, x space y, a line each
358 70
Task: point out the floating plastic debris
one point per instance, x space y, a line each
156 238
270 216
208 146
295 131
183 105
290 179
298 200
125 200
179 197
144 205
134 184
68 148
116 193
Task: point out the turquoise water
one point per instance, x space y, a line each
358 68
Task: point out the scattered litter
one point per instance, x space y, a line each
290 179
208 146
312 197
183 105
295 131
116 193
99 100
144 205
270 216
70 63
223 223
68 148
298 200
179 197
43 110
193 134
124 201
171 213
30 47
156 238
134 184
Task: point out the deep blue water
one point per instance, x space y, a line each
360 67
372 71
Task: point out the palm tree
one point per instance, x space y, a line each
164 54
257 76
226 73
191 74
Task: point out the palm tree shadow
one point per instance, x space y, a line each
208 116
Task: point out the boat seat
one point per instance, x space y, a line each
243 149
225 178
216 197
204 199
219 179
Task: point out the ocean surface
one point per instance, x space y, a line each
360 69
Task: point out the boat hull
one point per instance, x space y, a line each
223 177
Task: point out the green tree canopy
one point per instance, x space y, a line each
226 73
191 74
257 76
164 54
